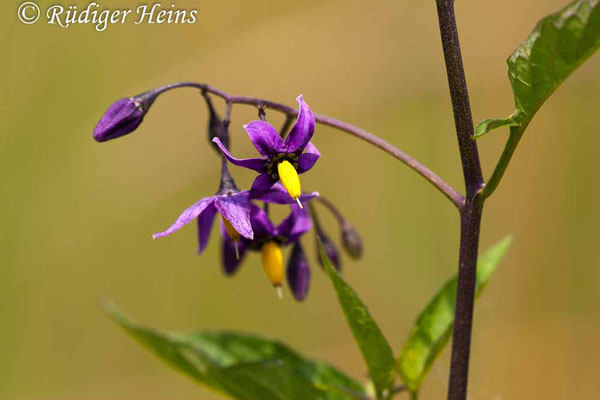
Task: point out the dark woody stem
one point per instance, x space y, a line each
470 215
456 198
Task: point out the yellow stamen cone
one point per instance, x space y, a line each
290 180
233 235
272 260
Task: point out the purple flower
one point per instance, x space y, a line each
235 213
268 240
281 159
234 207
124 116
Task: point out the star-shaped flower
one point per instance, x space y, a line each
234 207
281 159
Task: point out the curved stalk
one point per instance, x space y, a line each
448 191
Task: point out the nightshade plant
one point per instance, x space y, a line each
251 368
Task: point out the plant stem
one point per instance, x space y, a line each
460 98
470 217
465 298
448 191
286 125
516 132
333 209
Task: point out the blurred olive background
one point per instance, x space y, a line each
78 215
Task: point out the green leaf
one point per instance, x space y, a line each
374 347
434 325
490 124
559 44
244 366
267 380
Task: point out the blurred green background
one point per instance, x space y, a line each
78 215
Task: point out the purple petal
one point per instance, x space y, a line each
302 130
229 257
121 118
261 224
304 197
278 195
256 164
236 210
298 273
261 185
295 225
308 158
204 205
204 222
265 138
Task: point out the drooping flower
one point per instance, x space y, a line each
269 240
281 159
234 209
124 115
234 206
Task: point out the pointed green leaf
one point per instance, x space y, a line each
434 325
244 366
559 44
374 347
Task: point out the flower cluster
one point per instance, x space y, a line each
245 226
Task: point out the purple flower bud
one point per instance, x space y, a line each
351 241
298 272
124 116
331 251
217 128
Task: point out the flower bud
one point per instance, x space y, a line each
330 250
298 272
351 241
124 116
216 126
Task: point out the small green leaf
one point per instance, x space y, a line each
559 44
374 347
244 366
490 124
434 325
